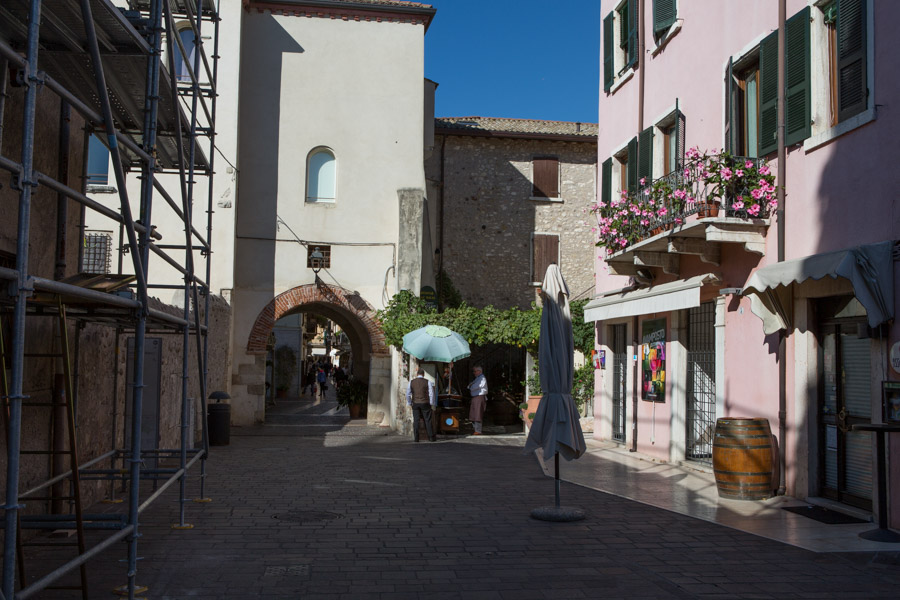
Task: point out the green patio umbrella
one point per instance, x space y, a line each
435 343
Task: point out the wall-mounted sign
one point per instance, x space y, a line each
895 357
428 294
599 359
653 360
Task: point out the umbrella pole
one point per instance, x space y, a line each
556 457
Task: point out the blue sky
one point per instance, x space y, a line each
523 59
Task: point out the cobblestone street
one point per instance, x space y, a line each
319 510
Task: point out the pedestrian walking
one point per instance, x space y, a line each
421 397
320 379
310 383
478 389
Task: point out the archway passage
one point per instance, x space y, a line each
355 316
342 306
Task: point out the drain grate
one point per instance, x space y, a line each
307 516
290 570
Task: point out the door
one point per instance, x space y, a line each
701 383
619 364
845 464
149 399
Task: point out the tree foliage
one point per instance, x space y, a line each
479 326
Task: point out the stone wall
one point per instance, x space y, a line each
489 216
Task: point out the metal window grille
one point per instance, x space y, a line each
326 254
96 258
619 380
701 383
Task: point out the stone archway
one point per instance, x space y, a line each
355 316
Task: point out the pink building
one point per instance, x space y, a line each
697 285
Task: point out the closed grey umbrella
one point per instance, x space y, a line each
556 428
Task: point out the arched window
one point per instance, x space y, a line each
321 181
182 73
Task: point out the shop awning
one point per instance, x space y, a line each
869 269
628 302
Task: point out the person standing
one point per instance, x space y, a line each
421 397
320 379
478 389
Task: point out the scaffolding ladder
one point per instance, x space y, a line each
52 521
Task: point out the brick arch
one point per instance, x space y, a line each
348 304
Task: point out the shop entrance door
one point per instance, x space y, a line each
845 463
619 369
701 383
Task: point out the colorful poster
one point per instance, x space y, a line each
653 360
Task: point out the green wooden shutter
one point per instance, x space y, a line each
680 131
608 52
606 181
852 86
797 79
632 33
768 94
729 109
664 13
645 156
632 165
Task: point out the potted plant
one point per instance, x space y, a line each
354 394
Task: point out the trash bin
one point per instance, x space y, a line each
219 420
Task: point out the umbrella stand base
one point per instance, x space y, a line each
557 513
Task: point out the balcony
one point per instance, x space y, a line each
713 199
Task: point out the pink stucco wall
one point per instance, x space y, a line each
839 194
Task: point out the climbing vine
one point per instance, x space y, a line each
479 326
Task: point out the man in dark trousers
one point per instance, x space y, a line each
420 396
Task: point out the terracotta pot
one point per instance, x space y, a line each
527 418
708 210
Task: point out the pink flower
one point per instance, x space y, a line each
753 210
687 172
739 173
756 193
726 173
773 204
645 222
748 164
738 205
662 211
680 194
643 181
764 170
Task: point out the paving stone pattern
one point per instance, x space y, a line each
354 513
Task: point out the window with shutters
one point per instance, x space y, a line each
843 71
545 177
668 144
751 92
545 251
620 44
665 22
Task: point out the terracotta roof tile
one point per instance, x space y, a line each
517 127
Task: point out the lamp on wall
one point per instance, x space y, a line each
316 261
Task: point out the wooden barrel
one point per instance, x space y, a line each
742 458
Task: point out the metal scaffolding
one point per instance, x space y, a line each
106 63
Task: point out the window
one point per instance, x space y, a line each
95 258
182 72
664 15
545 172
620 41
98 162
326 253
545 251
742 128
670 148
645 157
321 182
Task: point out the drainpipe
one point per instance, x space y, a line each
782 336
634 323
